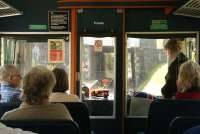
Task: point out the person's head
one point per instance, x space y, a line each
189 76
9 73
37 85
172 48
62 84
85 91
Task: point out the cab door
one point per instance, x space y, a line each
99 86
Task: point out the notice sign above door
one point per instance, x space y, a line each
58 20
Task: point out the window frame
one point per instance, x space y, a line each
156 35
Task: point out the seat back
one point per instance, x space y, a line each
179 124
139 106
193 130
4 107
79 113
162 111
44 126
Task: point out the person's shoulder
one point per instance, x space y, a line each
63 97
17 91
182 57
9 130
9 88
73 98
57 105
61 110
11 114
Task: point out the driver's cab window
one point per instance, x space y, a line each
97 67
147 65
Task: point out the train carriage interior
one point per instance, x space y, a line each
113 52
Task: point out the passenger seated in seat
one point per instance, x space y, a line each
188 82
37 87
61 87
10 81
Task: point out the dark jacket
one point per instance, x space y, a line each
170 88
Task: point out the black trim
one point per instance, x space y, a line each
162 36
161 3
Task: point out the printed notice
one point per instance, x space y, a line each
56 51
58 20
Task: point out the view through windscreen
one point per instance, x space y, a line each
147 65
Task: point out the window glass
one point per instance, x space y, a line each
147 65
97 60
26 51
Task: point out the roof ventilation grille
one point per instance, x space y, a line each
7 10
191 8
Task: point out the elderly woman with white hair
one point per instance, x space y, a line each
10 81
37 87
188 82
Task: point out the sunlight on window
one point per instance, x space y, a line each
146 61
155 83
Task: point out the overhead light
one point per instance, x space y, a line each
191 8
7 10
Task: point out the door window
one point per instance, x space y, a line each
147 65
97 66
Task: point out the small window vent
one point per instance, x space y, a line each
191 8
7 10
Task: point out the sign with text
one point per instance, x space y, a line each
159 25
58 20
37 27
56 50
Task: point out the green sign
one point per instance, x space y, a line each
38 27
159 25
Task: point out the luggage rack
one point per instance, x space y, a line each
7 10
190 8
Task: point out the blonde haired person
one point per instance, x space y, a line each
176 58
188 82
61 87
37 86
